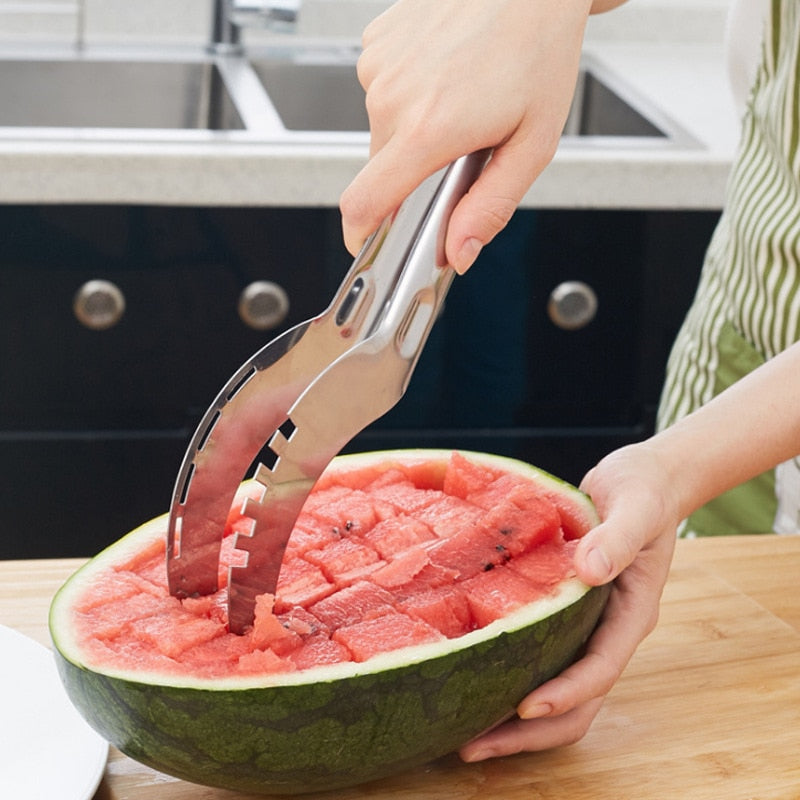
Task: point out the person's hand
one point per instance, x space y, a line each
633 545
444 78
642 492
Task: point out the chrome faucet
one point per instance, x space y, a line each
230 16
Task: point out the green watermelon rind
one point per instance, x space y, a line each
327 727
324 735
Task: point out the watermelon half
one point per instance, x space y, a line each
277 721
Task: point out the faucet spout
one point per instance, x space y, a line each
230 16
225 35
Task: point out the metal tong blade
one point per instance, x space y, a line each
307 393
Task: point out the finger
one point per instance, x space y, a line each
606 550
590 678
371 58
630 615
527 735
486 209
609 548
378 27
626 489
381 186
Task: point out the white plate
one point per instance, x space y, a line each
47 750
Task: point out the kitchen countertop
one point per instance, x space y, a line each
689 84
75 169
709 706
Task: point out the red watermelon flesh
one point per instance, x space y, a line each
447 515
319 649
401 496
444 607
496 594
547 565
520 492
341 559
383 559
467 552
402 569
395 535
301 584
389 631
362 600
519 530
349 513
464 478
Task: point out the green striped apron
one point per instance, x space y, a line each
747 306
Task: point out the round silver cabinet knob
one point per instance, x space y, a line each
99 304
572 305
263 305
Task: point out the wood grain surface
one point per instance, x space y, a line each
708 708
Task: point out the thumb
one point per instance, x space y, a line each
612 545
605 551
634 519
638 509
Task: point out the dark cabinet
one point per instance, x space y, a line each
94 422
501 375
102 389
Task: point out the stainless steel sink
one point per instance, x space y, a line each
606 111
298 92
314 92
98 93
599 111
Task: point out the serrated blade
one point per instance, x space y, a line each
307 394
356 389
257 398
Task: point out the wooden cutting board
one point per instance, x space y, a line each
709 707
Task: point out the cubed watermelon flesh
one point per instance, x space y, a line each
376 562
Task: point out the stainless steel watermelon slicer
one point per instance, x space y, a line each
303 396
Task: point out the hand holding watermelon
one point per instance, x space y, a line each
642 493
632 546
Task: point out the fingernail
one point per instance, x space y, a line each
533 710
478 754
466 255
598 564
